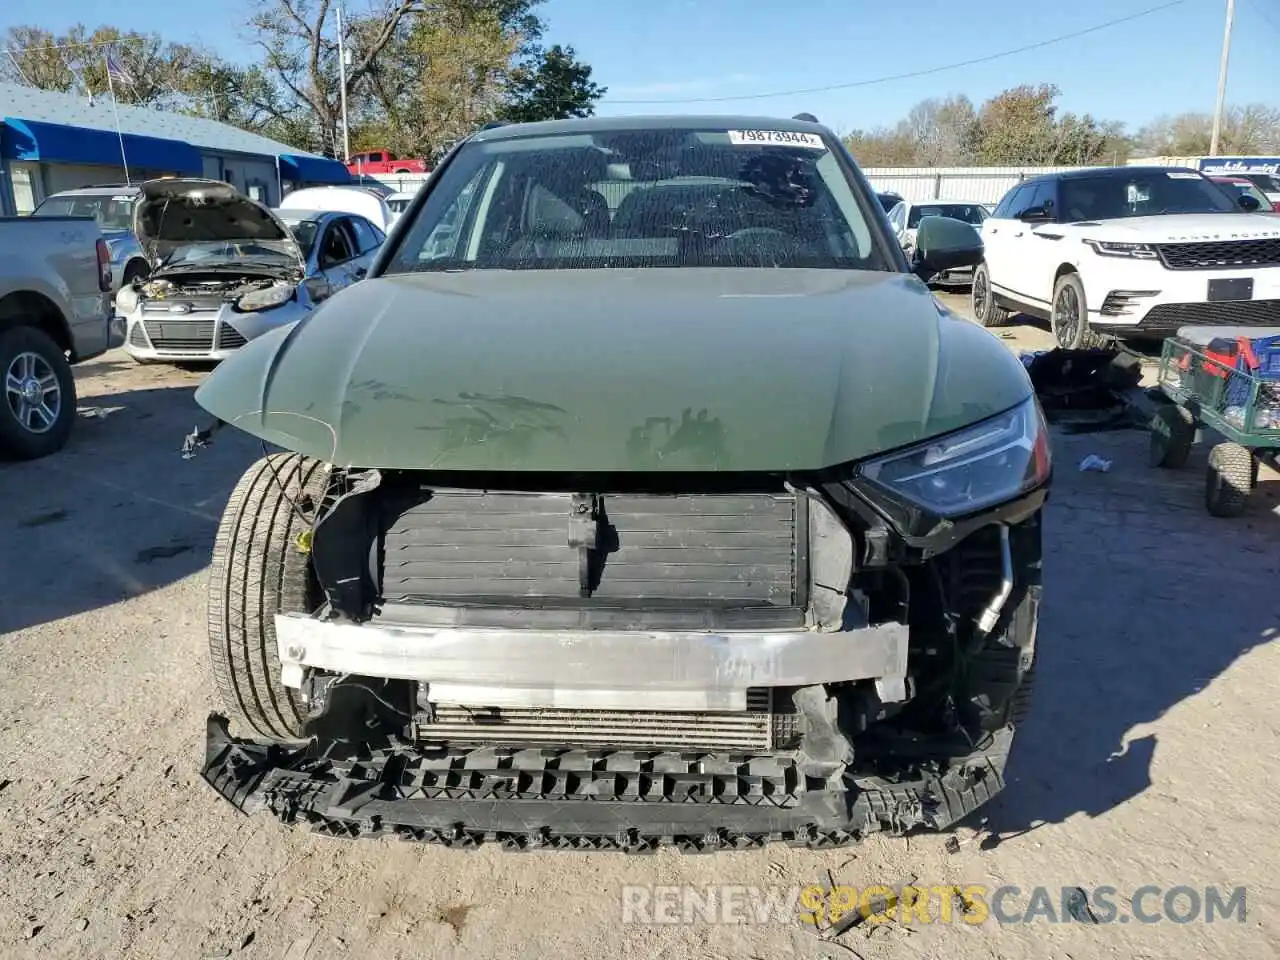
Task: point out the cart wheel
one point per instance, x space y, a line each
1173 431
1229 481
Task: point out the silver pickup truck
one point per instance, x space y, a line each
55 310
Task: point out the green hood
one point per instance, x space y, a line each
617 370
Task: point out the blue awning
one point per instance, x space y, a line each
61 143
304 169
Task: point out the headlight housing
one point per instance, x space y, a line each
127 299
1134 251
977 467
267 298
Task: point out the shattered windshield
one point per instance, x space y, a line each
643 198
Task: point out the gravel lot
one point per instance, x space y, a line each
1149 758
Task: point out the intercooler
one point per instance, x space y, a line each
758 729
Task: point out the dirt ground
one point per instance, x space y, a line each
1150 756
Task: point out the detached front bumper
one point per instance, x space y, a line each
624 800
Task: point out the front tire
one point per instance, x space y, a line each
1069 319
258 570
37 394
985 309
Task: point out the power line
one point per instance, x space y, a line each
1266 15
914 73
76 46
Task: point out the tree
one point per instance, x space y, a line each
1249 129
882 147
1018 126
943 132
300 56
76 62
555 87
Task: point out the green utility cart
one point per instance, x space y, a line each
1226 379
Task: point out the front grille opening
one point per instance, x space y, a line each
1220 254
193 335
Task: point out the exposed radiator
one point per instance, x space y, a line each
751 730
687 549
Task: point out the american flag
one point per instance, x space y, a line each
116 71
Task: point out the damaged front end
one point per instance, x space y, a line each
224 270
627 661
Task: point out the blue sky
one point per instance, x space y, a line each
672 50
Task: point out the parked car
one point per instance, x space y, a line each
111 205
399 203
905 219
375 186
346 199
1127 252
55 311
1238 186
384 161
226 270
339 247
706 474
888 200
1268 183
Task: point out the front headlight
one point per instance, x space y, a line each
266 298
977 467
1134 251
127 300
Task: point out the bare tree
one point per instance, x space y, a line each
299 42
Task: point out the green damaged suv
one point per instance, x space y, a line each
643 494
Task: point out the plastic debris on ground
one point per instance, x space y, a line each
1093 462
1084 390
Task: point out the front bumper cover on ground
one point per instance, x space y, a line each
632 801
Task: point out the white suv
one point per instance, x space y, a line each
1127 252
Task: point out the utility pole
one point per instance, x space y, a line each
342 88
1222 80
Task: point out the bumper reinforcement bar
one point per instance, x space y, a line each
593 669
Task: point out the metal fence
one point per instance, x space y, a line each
970 184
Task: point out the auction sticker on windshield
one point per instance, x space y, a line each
786 138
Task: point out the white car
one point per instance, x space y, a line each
1127 252
399 203
225 269
344 199
905 217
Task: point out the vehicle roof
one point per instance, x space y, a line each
101 189
544 128
1087 172
944 201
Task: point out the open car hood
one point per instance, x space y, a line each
174 213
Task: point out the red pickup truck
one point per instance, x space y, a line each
384 161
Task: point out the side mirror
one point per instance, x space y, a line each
318 288
1248 203
1035 215
943 243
